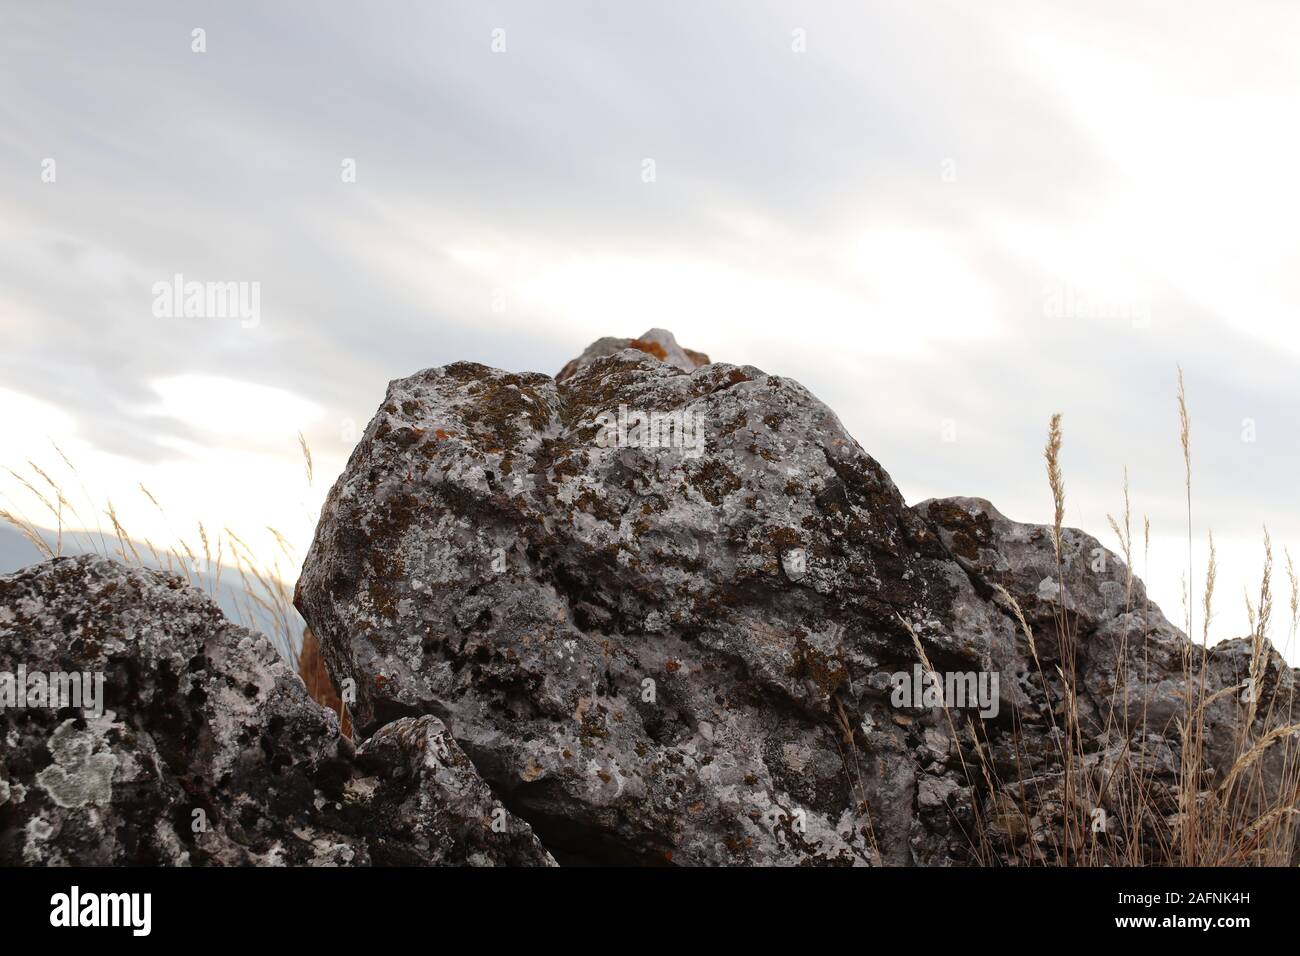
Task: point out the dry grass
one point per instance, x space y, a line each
1242 811
263 599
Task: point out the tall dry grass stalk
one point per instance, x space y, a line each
1052 453
1185 439
306 457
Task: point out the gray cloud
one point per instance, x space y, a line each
226 165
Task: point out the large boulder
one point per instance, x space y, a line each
202 747
662 606
660 641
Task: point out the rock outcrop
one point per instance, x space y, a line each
661 605
202 746
656 611
1132 666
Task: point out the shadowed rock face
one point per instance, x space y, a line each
208 750
663 650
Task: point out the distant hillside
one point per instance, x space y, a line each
15 550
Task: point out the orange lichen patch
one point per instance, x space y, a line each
699 358
970 531
672 667
653 348
442 435
311 668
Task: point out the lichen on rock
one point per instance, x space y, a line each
209 751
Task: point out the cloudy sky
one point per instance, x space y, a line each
948 220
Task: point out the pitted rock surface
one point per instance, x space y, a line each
208 750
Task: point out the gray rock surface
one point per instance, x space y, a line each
660 343
208 750
672 642
422 802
